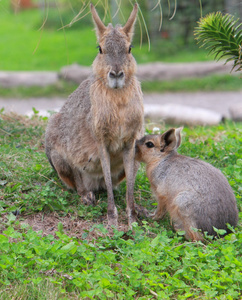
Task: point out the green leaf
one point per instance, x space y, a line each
70 247
181 232
155 241
239 162
4 243
37 167
35 111
221 34
219 231
104 282
60 227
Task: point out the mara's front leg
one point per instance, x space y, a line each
105 162
130 172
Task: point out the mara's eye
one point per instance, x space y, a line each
149 144
130 47
100 49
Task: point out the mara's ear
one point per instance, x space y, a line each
100 27
171 139
178 136
129 26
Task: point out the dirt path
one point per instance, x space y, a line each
212 105
219 102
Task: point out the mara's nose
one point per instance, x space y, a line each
114 75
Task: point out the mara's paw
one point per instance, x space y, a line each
132 219
113 218
112 223
142 211
158 214
154 216
89 199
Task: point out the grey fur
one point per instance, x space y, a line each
90 142
196 194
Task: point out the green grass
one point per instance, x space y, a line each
61 89
28 48
72 262
41 290
25 46
207 83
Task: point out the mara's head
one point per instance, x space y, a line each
114 65
155 146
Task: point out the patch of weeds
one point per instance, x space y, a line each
39 288
150 262
124 265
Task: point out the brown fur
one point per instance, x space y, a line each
193 192
91 141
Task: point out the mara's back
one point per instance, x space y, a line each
72 119
191 174
198 189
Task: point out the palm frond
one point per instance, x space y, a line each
222 36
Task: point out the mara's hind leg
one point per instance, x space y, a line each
183 216
160 210
184 224
71 178
122 174
63 169
119 178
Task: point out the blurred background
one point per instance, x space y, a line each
48 46
48 34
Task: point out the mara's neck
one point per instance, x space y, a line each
100 92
